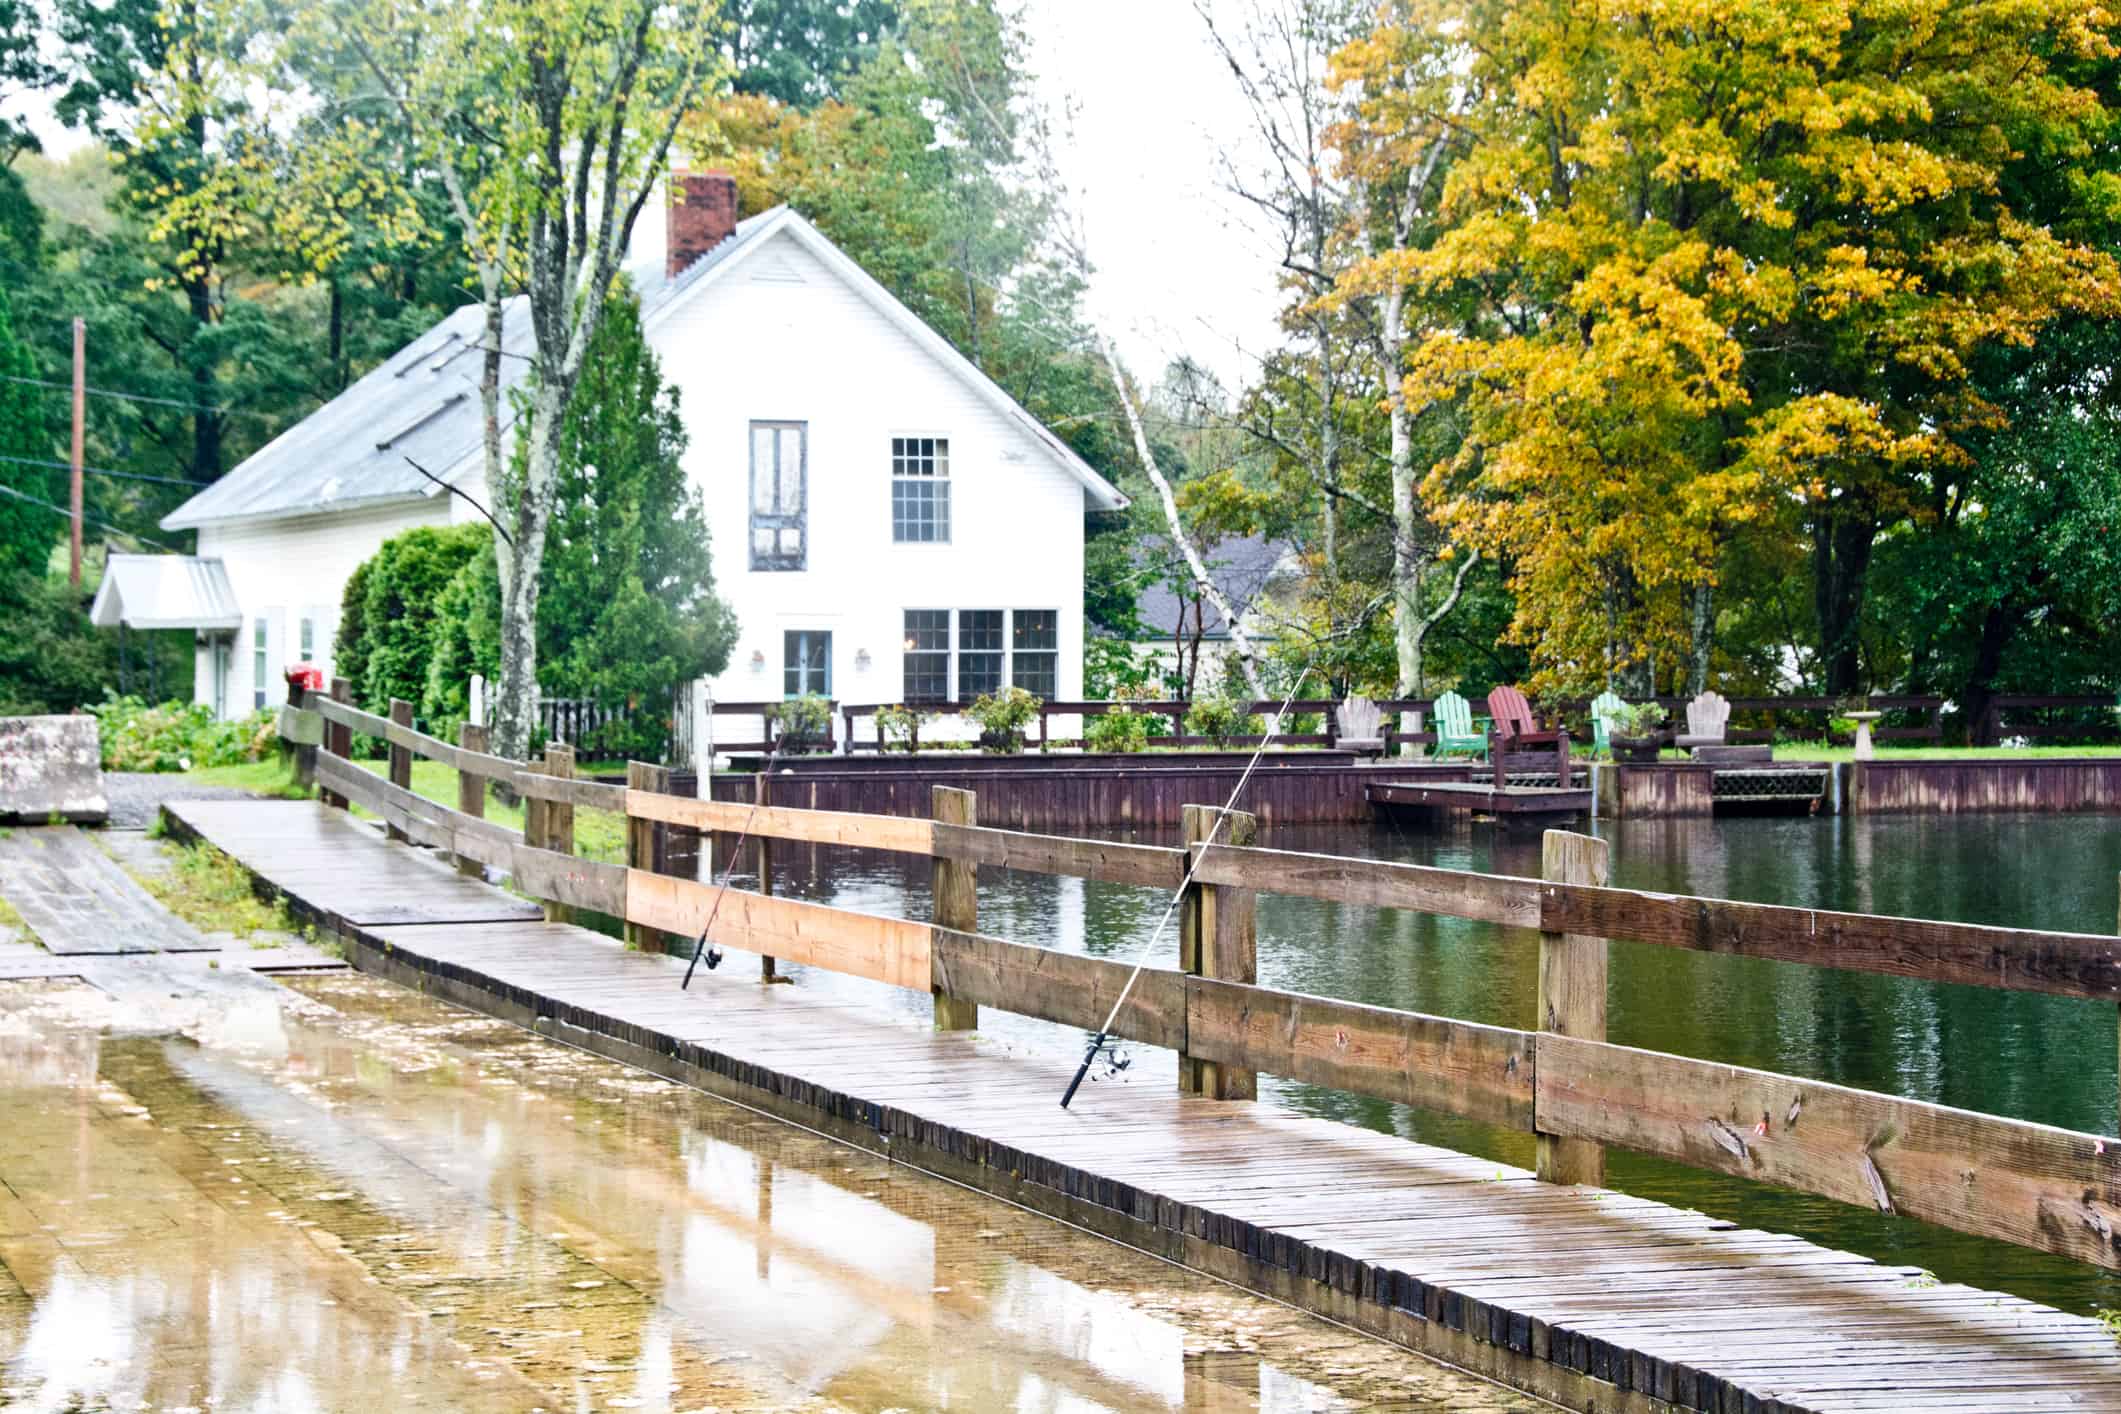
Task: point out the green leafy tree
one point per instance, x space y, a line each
627 610
387 634
803 52
27 531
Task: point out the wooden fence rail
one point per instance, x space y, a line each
2045 1188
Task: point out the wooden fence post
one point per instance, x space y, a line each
1572 994
1218 936
471 791
760 790
338 740
641 852
559 820
400 758
956 900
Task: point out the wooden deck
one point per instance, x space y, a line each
1540 801
1588 1297
77 900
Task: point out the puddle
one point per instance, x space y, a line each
385 1194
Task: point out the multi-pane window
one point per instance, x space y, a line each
780 531
806 662
979 652
920 490
927 655
1035 652
309 639
257 663
954 656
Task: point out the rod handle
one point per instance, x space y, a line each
1097 1043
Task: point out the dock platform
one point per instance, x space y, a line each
1585 1296
1542 802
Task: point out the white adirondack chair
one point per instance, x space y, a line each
1706 717
1361 726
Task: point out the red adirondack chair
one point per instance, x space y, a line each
1517 733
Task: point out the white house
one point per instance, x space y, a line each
888 523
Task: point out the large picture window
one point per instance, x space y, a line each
780 519
927 655
954 655
920 490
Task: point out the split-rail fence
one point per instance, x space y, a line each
2046 1188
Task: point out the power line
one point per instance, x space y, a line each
136 397
106 471
100 524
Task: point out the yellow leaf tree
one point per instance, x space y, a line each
1706 269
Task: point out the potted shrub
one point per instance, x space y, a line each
1637 733
1122 729
901 722
801 723
1002 718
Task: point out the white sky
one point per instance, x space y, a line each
1180 269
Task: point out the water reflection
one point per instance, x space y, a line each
402 1197
2046 1059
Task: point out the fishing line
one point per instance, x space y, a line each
1104 1033
736 852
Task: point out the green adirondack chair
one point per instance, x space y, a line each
1603 706
1454 728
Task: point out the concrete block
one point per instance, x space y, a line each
52 766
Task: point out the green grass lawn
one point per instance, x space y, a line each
1820 751
598 834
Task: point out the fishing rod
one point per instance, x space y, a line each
736 852
1104 1033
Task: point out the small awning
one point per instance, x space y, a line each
165 591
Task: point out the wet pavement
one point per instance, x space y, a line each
331 1193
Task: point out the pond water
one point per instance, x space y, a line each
2047 1059
350 1196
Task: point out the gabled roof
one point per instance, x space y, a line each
786 219
422 404
165 591
1243 567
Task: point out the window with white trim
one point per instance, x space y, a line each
309 639
780 517
257 664
920 490
955 655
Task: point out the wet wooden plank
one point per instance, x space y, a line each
2018 959
1109 861
900 834
860 944
1067 988
1458 1067
2050 1189
77 899
1492 898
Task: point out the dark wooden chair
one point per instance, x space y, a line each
1519 744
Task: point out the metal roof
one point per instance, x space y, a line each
165 591
422 403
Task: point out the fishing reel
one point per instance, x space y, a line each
701 949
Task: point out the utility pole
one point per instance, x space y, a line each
80 409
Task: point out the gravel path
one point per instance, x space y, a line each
135 795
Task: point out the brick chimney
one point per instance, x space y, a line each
702 214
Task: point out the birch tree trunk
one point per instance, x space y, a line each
1247 659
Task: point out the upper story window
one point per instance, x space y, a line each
780 509
920 490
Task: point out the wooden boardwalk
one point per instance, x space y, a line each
1588 1297
77 900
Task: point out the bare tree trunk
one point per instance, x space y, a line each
1247 659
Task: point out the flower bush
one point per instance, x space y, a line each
803 721
178 736
900 722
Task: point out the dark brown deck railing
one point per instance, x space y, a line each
2051 1189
